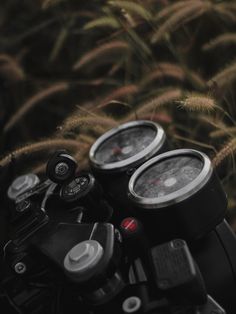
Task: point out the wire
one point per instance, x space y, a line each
4 248
48 193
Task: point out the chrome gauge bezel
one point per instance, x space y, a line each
142 156
175 197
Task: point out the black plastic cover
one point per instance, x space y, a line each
177 273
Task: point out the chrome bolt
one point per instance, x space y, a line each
20 183
131 304
76 257
20 268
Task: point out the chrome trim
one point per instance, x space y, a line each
177 196
145 154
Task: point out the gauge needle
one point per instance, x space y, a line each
155 181
116 150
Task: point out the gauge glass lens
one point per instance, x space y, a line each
168 176
125 144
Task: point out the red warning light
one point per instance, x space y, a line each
129 224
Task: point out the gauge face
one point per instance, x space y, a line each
168 176
75 188
125 144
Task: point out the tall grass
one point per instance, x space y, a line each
97 64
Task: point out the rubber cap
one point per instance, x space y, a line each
22 184
83 257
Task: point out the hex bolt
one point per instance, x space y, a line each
131 304
83 257
20 183
77 257
20 268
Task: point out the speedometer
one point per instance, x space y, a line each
118 152
179 189
126 145
168 177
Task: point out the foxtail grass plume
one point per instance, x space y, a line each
105 21
231 131
160 117
121 93
85 138
224 77
228 149
213 121
229 6
132 8
164 70
225 13
219 41
194 142
33 101
198 102
113 103
85 122
114 46
182 16
172 8
45 145
155 103
10 68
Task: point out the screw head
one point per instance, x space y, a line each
20 268
130 171
61 168
178 243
